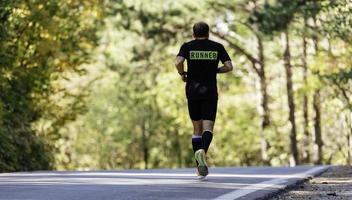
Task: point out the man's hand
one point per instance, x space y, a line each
184 76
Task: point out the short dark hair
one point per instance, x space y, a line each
201 29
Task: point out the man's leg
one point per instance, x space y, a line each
197 135
207 135
209 109
194 109
200 154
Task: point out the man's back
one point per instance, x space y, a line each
202 57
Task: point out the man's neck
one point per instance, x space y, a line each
201 38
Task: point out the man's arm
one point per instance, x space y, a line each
226 68
179 64
180 67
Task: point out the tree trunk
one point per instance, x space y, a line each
145 145
318 142
349 140
347 126
291 104
178 149
306 153
264 109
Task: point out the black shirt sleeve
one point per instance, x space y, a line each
183 51
224 56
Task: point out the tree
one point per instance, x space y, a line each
41 43
257 62
290 99
306 153
277 18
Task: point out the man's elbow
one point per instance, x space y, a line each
179 61
176 63
229 66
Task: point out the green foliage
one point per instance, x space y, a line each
137 116
278 16
341 82
74 99
342 77
40 42
338 20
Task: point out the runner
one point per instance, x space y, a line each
202 57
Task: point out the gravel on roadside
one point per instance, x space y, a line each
335 183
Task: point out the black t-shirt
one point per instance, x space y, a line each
202 57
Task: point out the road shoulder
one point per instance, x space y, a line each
335 183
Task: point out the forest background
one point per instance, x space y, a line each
91 84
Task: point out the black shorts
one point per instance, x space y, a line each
202 109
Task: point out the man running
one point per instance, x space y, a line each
202 57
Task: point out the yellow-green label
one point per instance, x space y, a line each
203 55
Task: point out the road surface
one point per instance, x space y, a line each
171 184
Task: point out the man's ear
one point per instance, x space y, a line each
194 37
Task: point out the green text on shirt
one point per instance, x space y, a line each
203 55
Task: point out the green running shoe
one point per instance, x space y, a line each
202 163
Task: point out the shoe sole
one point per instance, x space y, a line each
201 178
203 170
202 164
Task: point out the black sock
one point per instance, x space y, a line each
196 143
206 140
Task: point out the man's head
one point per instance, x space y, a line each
201 30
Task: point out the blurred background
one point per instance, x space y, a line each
91 84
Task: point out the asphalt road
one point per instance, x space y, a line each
171 184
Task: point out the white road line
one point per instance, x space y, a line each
124 174
273 183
